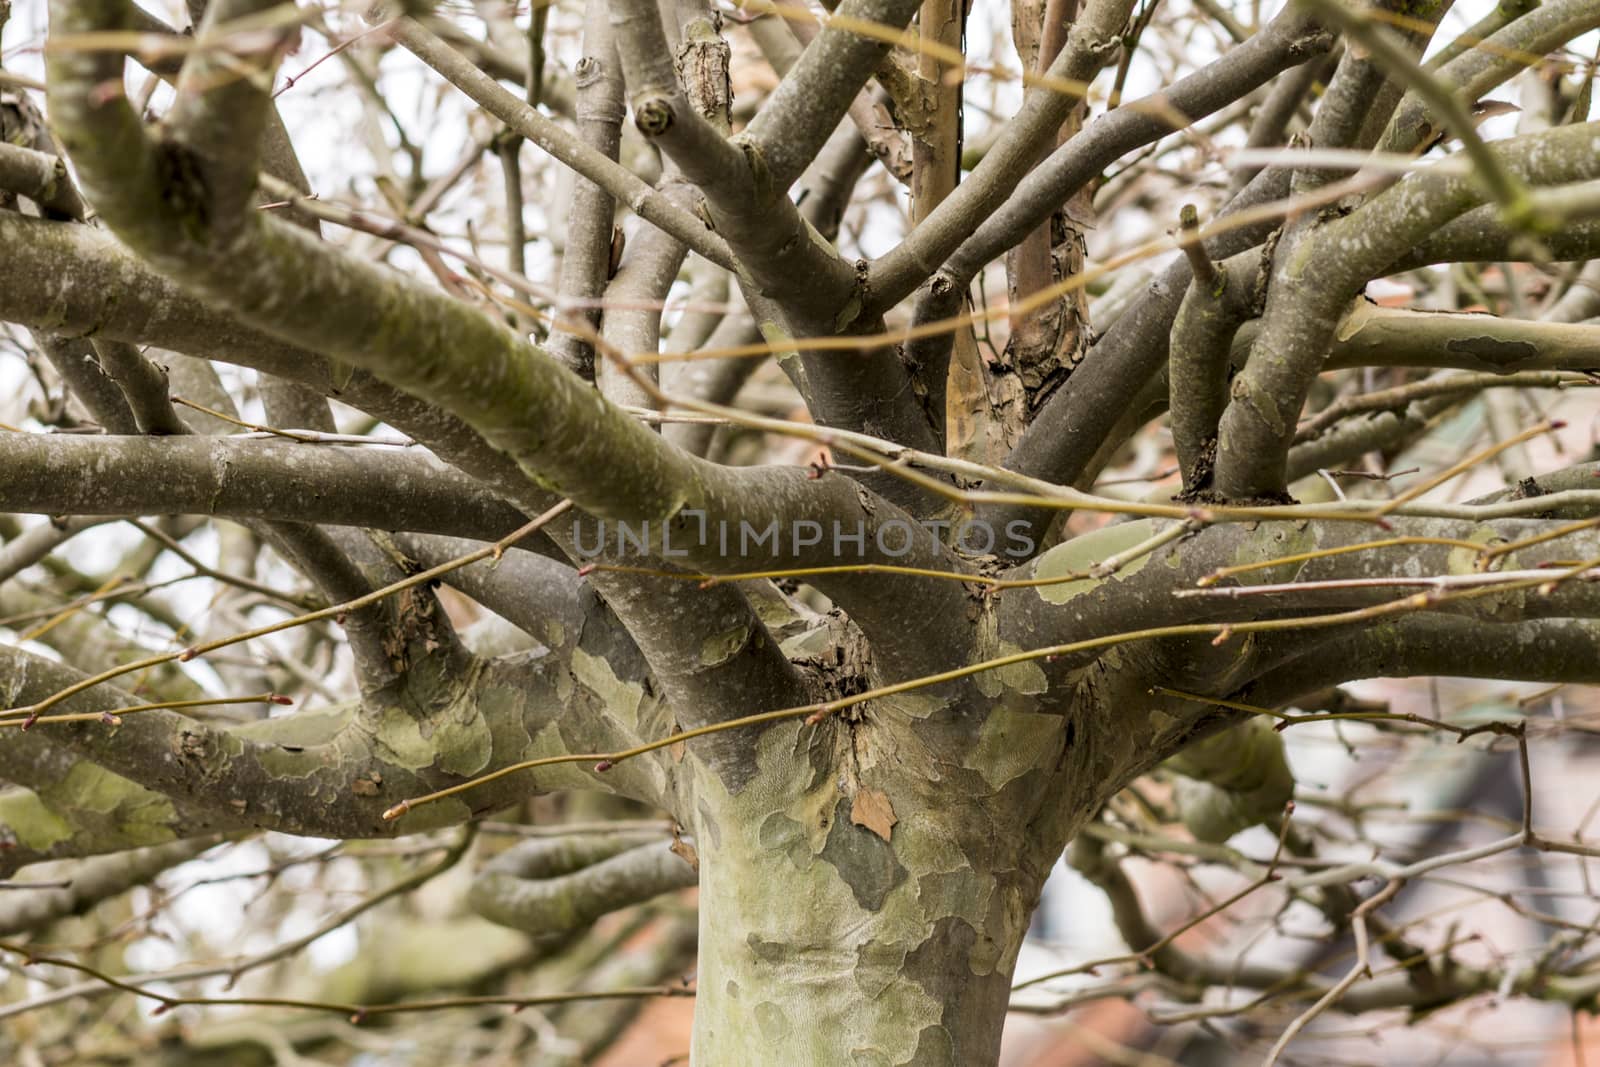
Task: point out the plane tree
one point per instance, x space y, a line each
879 681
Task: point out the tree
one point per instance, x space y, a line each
879 690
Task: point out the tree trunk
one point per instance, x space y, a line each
864 900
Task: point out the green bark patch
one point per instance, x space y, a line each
784 352
1026 678
1082 553
305 728
801 830
97 809
501 708
399 739
100 797
462 739
1013 743
596 675
465 746
720 648
1285 539
284 763
1465 560
31 823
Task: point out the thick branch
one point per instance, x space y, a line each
807 105
1550 650
1142 594
1374 336
1202 338
66 807
562 885
324 774
59 474
1483 235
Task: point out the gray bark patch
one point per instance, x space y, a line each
1496 353
767 951
878 966
943 966
709 826
934 1049
779 833
864 860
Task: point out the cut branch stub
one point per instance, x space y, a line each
654 116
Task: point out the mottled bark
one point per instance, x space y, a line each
940 721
